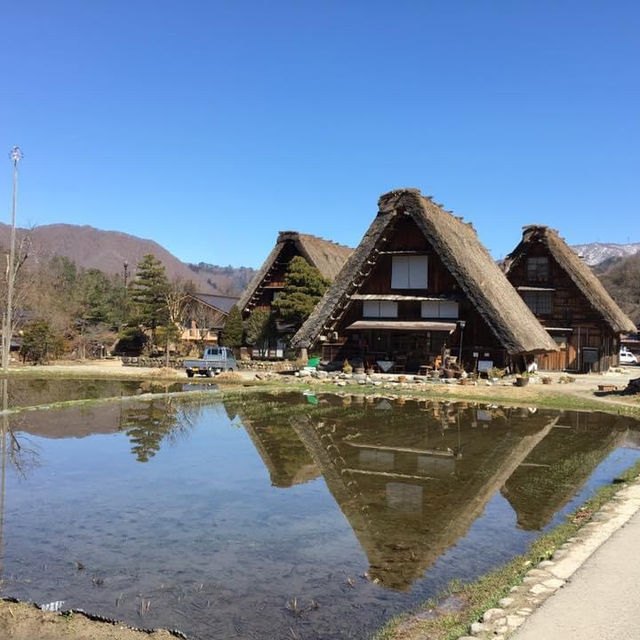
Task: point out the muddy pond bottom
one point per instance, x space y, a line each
285 516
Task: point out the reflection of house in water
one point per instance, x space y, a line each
413 484
282 453
561 463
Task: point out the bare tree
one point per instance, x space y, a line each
176 300
16 293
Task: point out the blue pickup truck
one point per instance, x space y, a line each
214 360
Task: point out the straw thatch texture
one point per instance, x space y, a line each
579 272
326 256
504 311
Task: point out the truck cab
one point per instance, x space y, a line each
214 360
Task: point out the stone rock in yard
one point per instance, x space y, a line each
492 614
478 627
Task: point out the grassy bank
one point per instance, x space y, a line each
475 598
561 397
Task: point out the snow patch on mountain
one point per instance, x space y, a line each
597 252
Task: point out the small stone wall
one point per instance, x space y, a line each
267 365
144 361
178 363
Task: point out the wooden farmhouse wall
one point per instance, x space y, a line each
406 239
586 341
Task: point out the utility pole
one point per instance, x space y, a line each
125 304
7 329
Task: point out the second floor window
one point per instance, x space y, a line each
379 309
538 269
439 309
409 272
540 302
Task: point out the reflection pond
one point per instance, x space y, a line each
30 392
280 516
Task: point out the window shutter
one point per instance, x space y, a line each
370 309
400 272
388 309
418 272
448 309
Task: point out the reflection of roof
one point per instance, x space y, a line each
223 303
408 503
284 456
558 466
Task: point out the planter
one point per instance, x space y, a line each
522 382
359 370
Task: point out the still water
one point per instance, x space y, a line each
285 516
30 392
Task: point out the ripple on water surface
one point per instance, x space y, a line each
251 518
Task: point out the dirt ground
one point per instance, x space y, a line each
21 621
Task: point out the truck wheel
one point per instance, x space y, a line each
189 374
208 373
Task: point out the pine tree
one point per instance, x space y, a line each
260 327
148 292
304 286
232 332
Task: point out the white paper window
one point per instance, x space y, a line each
439 309
409 272
379 309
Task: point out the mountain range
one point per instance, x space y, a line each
617 265
597 252
108 251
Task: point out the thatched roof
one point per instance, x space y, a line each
576 269
469 262
326 256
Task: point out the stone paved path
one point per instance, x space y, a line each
602 599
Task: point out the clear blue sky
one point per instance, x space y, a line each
209 126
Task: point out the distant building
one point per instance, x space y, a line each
326 256
568 300
206 317
420 284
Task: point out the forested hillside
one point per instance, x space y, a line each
621 278
107 251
